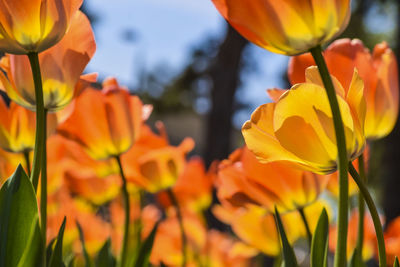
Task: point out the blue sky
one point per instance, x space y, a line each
166 30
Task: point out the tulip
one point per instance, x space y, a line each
369 243
286 27
392 240
298 130
34 25
257 228
153 164
61 67
378 71
222 250
193 189
243 180
105 123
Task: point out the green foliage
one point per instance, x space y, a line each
145 249
18 220
88 262
33 254
396 262
356 259
289 258
56 259
105 258
319 244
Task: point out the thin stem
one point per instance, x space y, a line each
306 225
340 256
361 209
27 162
374 214
40 114
180 219
43 187
125 196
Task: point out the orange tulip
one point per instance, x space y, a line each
193 188
369 236
392 240
295 129
243 180
95 230
70 166
106 123
17 127
286 27
167 246
149 216
223 251
153 164
257 228
34 25
61 67
9 162
378 71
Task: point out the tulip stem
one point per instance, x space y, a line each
40 113
27 162
180 220
125 196
374 214
306 225
340 256
43 186
361 209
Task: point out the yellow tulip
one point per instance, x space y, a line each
299 128
289 26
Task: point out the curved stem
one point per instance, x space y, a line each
125 196
340 256
27 162
180 219
374 214
43 185
40 114
306 225
361 209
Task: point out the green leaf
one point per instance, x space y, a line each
18 211
56 259
289 258
145 249
355 260
88 262
396 262
319 244
104 257
33 254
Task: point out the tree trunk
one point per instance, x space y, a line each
225 75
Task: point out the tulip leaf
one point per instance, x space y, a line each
356 260
289 258
88 262
319 244
33 254
396 262
18 212
145 249
56 259
104 257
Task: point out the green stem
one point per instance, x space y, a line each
340 256
125 196
43 187
374 214
361 209
306 225
27 162
180 220
40 114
